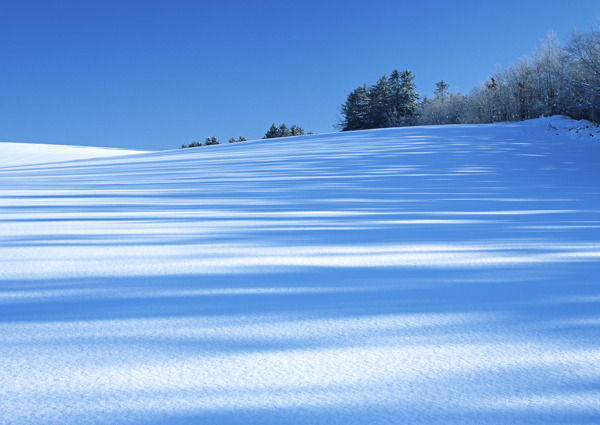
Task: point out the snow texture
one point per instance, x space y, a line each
423 275
576 129
16 154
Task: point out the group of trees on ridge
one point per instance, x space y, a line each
211 141
283 131
556 79
390 102
273 132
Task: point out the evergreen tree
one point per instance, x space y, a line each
297 131
284 131
378 115
191 145
396 99
390 102
409 97
355 110
211 141
441 89
272 133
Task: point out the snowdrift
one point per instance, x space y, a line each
416 275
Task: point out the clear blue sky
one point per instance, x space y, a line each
156 74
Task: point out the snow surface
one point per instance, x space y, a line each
424 275
13 154
576 129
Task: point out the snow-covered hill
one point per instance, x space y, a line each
425 275
16 154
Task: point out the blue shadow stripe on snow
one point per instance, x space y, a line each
523 293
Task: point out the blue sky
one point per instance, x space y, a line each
156 74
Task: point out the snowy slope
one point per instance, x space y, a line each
14 154
426 275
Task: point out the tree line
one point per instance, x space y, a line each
556 79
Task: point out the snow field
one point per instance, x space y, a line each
416 275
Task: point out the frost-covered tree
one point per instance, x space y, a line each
444 108
583 50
